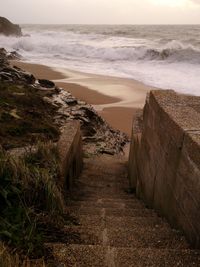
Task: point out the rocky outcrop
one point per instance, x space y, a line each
8 28
164 163
98 136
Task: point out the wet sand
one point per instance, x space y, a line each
116 99
120 117
39 71
88 95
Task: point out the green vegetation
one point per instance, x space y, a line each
25 118
32 209
31 203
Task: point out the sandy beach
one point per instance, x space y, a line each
116 99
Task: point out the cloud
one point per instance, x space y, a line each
196 2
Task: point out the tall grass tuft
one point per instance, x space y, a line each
30 199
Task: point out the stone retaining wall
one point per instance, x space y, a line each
71 155
164 160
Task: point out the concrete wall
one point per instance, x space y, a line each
70 152
164 160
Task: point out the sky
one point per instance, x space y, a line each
101 11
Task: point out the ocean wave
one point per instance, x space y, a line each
174 51
94 46
158 58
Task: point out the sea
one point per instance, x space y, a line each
163 56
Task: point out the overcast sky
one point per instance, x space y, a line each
102 11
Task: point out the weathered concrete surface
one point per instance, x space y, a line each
70 152
164 161
114 228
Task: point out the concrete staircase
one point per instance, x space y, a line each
115 229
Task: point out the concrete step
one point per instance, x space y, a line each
84 193
111 174
99 256
103 184
146 237
103 203
84 235
105 191
93 198
123 222
128 222
158 236
103 177
156 258
79 256
130 212
137 212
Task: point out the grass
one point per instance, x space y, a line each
25 118
9 259
31 203
32 209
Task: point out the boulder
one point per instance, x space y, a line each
8 28
3 58
46 83
71 101
13 55
18 75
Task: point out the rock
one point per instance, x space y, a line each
46 83
3 58
5 76
98 136
88 130
19 75
71 101
81 103
107 151
30 79
3 52
57 89
13 55
83 119
8 28
92 114
93 139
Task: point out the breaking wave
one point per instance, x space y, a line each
76 46
146 53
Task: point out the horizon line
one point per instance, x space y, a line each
110 24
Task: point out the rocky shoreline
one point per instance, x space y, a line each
98 136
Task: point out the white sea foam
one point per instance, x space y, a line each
162 56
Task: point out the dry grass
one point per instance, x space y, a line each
8 259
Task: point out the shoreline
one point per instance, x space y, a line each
117 100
